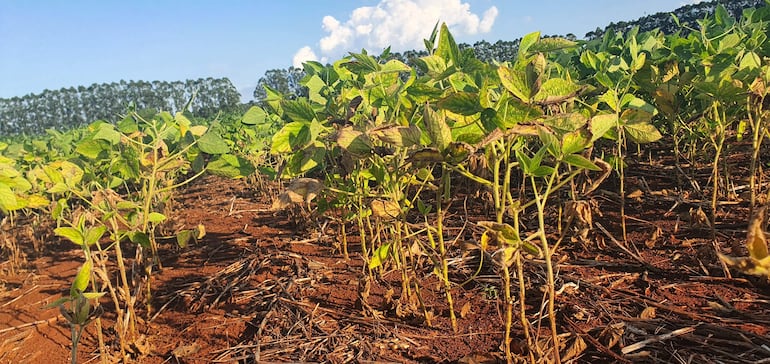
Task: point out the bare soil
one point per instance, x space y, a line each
266 286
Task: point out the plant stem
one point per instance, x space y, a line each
442 195
540 201
531 345
508 312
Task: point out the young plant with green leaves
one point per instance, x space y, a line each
614 62
81 312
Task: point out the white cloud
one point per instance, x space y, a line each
488 20
401 24
304 54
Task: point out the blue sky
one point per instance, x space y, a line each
48 44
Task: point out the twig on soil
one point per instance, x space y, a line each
625 249
249 210
21 295
658 338
29 324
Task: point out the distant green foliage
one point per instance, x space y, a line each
72 107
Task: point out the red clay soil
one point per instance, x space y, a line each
264 286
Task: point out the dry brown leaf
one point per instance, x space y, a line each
186 350
611 334
650 242
698 218
575 347
465 310
385 209
479 358
281 202
635 194
648 313
580 211
303 190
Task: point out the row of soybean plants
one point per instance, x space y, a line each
111 186
385 139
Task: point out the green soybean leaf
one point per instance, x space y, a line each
184 237
156 217
212 143
58 302
546 45
556 90
291 137
513 112
138 237
93 295
230 166
80 284
107 132
526 42
298 110
395 65
94 234
183 122
255 115
463 103
70 234
635 103
642 133
438 130
575 141
90 149
7 198
543 171
379 256
447 47
354 142
750 60
399 136
611 99
515 82
601 124
577 160
433 65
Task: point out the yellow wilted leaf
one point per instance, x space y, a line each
755 242
198 130
758 261
201 231
485 240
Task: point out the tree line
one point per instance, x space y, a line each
72 107
685 15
